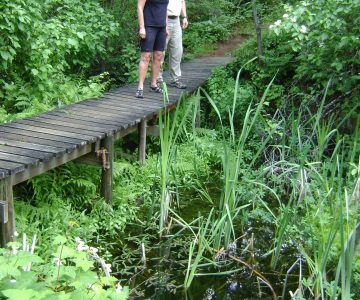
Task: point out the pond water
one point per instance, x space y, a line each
162 277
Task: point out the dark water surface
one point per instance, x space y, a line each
167 260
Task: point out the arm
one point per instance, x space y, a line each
140 13
185 22
167 27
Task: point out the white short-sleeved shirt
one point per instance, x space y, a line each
174 7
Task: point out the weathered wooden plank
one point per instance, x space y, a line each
34 134
148 94
118 107
78 138
35 140
4 173
84 116
121 108
11 166
114 116
130 112
85 132
76 123
32 171
37 147
120 101
26 152
19 159
149 101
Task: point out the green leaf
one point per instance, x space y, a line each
83 262
73 42
5 55
59 240
24 294
9 270
84 279
23 258
81 34
122 295
338 66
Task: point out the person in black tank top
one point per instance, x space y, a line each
152 15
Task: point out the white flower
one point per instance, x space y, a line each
78 240
108 267
57 261
13 281
118 288
271 26
278 23
303 29
14 250
82 247
293 19
16 234
285 16
93 250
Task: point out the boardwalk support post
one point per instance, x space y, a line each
107 156
142 140
198 111
7 213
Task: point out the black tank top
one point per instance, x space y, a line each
155 13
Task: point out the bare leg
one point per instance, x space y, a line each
157 56
143 67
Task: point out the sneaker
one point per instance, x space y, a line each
178 84
139 94
156 89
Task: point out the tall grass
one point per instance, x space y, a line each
170 128
312 160
324 196
232 159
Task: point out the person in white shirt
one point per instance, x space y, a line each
176 10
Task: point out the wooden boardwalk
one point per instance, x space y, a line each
84 131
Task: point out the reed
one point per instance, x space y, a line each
232 159
170 128
320 195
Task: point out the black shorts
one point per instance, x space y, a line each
155 39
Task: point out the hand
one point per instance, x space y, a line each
142 33
185 23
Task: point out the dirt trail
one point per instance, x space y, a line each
227 47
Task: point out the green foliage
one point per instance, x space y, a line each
43 42
325 34
205 33
71 274
221 88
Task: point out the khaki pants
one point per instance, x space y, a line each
175 48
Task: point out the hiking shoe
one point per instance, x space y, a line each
156 89
139 94
178 84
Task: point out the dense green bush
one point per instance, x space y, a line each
326 37
43 42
